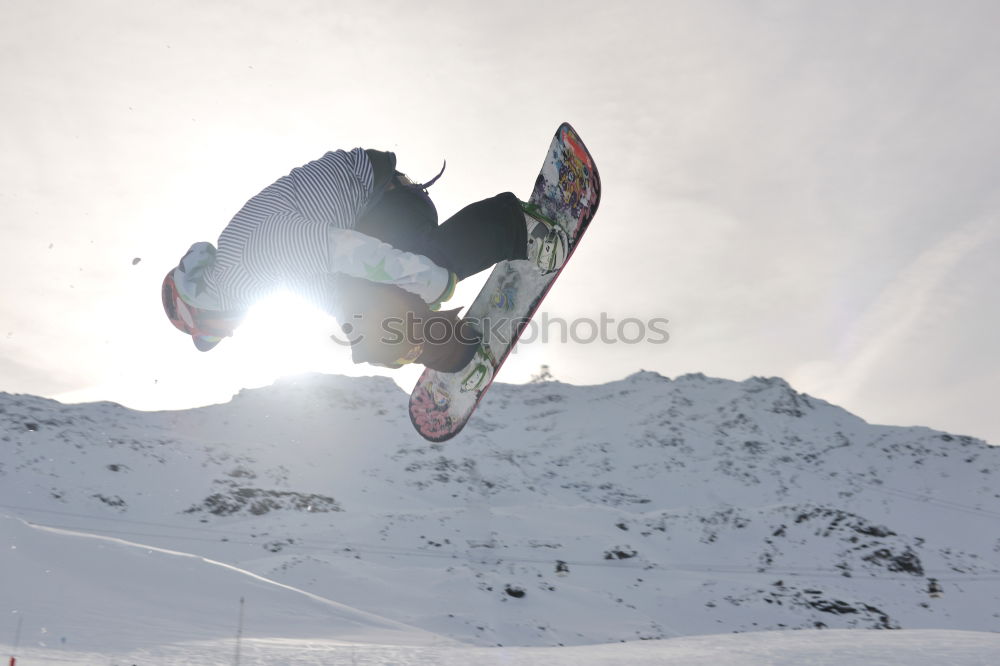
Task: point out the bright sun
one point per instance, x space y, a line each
282 336
286 335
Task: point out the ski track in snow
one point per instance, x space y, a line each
374 619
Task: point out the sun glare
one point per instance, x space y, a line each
286 335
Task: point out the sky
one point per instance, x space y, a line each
802 189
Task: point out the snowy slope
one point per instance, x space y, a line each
88 593
640 509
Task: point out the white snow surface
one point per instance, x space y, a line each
789 648
649 515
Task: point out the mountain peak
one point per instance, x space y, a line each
646 375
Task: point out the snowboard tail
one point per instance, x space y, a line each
567 191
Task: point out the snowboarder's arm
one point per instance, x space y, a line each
359 255
286 247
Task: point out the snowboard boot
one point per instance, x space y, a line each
548 243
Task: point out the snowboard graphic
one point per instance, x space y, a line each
567 191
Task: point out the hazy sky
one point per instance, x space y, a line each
804 189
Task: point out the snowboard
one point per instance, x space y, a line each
567 191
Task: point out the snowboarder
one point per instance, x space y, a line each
362 241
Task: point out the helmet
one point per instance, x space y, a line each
206 327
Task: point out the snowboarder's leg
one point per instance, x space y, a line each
481 235
472 240
391 327
498 229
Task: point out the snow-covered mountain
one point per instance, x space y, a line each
563 515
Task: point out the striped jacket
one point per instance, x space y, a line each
298 234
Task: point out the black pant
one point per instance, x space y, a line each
472 240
